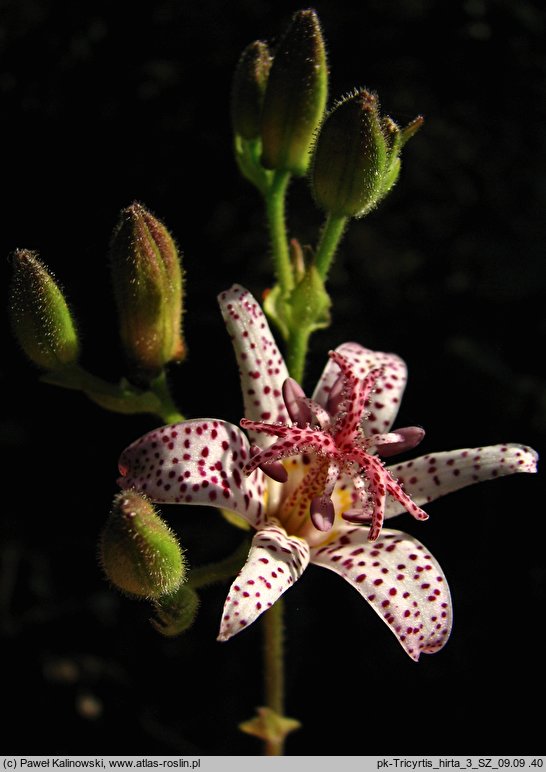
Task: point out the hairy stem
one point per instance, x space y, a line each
328 243
169 412
275 207
203 576
296 352
273 629
118 397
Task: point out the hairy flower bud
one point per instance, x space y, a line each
295 97
356 160
139 552
148 289
350 157
176 612
41 319
249 84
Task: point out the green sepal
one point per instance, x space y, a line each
176 612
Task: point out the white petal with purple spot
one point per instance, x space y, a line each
385 401
261 366
274 563
429 477
195 462
400 580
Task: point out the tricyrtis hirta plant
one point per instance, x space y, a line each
305 476
320 492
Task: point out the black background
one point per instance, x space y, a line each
104 103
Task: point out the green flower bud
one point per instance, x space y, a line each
356 160
249 84
148 289
176 613
41 319
309 302
138 551
295 97
350 157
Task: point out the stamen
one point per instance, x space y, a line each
322 512
319 415
357 517
273 469
410 436
294 399
336 396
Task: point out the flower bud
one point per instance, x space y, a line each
138 551
249 84
176 612
309 302
295 96
148 289
41 319
350 157
356 159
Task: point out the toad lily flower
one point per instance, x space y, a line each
311 477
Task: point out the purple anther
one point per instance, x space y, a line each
322 513
294 399
357 517
273 469
411 436
336 395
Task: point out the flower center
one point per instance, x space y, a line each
340 454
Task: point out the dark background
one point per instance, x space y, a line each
104 103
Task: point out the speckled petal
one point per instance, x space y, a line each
195 462
274 563
385 400
400 580
261 366
429 477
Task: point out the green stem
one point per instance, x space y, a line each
203 576
273 629
328 243
275 207
169 412
118 397
296 352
